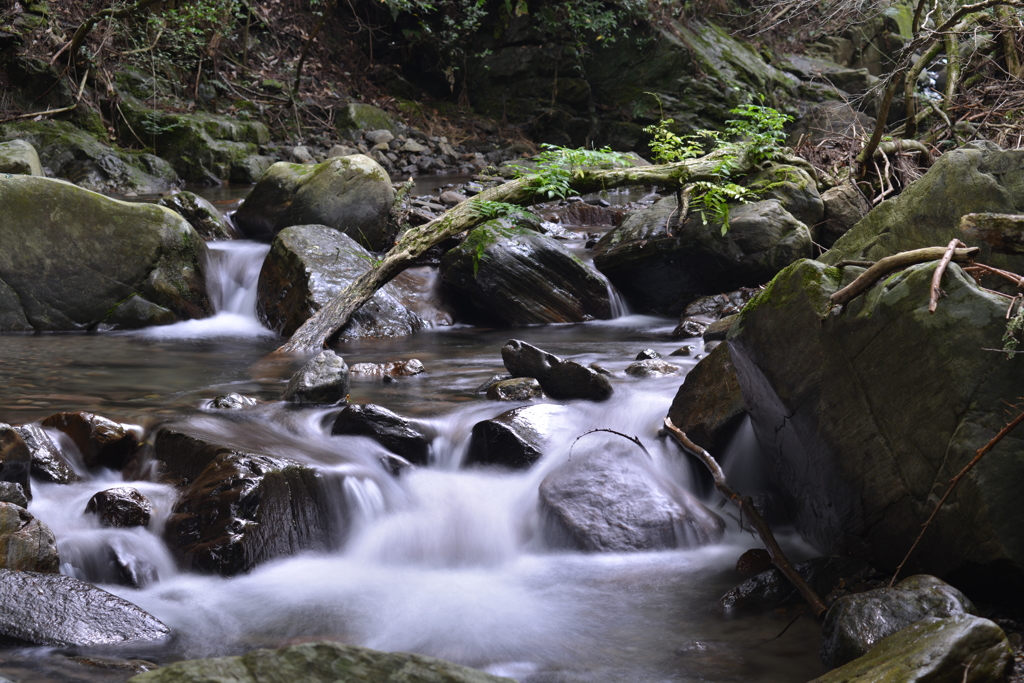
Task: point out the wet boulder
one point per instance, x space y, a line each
48 463
76 260
350 194
200 214
109 559
247 508
15 459
18 156
397 368
518 277
560 378
865 416
232 402
960 649
325 662
12 492
121 506
611 499
394 432
514 439
102 442
308 266
856 623
662 266
26 544
515 389
323 379
826 575
709 405
59 611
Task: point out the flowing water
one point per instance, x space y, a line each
442 561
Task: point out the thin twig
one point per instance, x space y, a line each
933 300
610 431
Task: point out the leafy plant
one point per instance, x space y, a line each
485 236
490 210
759 128
556 167
1014 330
713 199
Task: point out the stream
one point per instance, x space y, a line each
442 561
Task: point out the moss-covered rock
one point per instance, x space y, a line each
18 156
351 194
356 116
71 258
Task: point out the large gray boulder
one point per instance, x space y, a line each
319 663
59 611
308 266
26 544
517 276
662 266
608 499
865 414
323 379
351 194
71 259
961 649
18 156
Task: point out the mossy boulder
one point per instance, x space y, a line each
356 116
71 259
519 277
18 156
77 156
865 414
351 194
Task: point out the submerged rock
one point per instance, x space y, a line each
200 214
961 649
48 463
102 442
515 389
308 266
770 589
121 506
560 379
59 611
26 544
324 379
76 260
514 439
652 367
398 368
15 459
319 663
392 431
611 500
350 194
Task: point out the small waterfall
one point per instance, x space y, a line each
620 307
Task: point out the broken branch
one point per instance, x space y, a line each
933 300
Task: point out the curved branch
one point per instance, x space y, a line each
891 264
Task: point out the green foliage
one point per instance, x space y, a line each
188 28
490 210
486 235
556 167
1012 336
713 199
759 129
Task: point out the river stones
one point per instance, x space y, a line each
960 649
200 214
515 389
652 367
18 156
324 662
560 378
101 442
323 380
12 492
15 459
392 431
76 260
518 277
59 611
307 267
350 194
610 499
514 439
662 267
856 623
232 402
396 368
709 405
26 544
48 463
121 506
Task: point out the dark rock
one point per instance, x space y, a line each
482 389
1004 231
324 380
609 499
400 368
583 214
844 205
325 662
11 492
15 459
59 611
48 463
102 442
719 330
76 268
654 367
392 431
233 402
648 354
961 649
516 276
121 506
247 508
856 623
351 194
514 439
515 389
560 379
26 544
689 329
709 405
754 561
451 198
685 351
770 589
307 267
200 214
